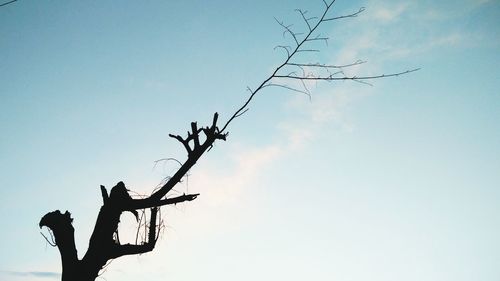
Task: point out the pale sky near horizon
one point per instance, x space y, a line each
395 181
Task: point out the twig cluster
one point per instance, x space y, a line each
302 72
212 133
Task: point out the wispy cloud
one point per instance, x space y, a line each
244 167
425 28
230 182
388 14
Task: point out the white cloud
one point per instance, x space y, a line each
379 38
452 39
394 52
225 182
297 135
228 182
388 14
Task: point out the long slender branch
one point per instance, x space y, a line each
353 15
7 3
331 78
299 49
273 75
288 88
320 65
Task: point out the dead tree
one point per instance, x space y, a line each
104 244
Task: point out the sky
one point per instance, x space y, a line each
394 181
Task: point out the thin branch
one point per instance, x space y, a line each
320 65
319 39
303 14
306 89
353 15
119 250
285 48
241 113
7 3
51 243
307 50
166 160
330 78
143 214
288 88
362 82
288 30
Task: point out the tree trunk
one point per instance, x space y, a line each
102 245
64 234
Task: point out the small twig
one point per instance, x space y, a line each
288 30
181 140
307 50
288 88
320 65
303 14
285 48
166 160
243 112
353 15
7 3
53 243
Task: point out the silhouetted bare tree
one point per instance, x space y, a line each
104 243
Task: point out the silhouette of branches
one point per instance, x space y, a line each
318 71
105 244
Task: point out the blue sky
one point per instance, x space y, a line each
395 181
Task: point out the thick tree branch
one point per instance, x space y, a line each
145 203
212 134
